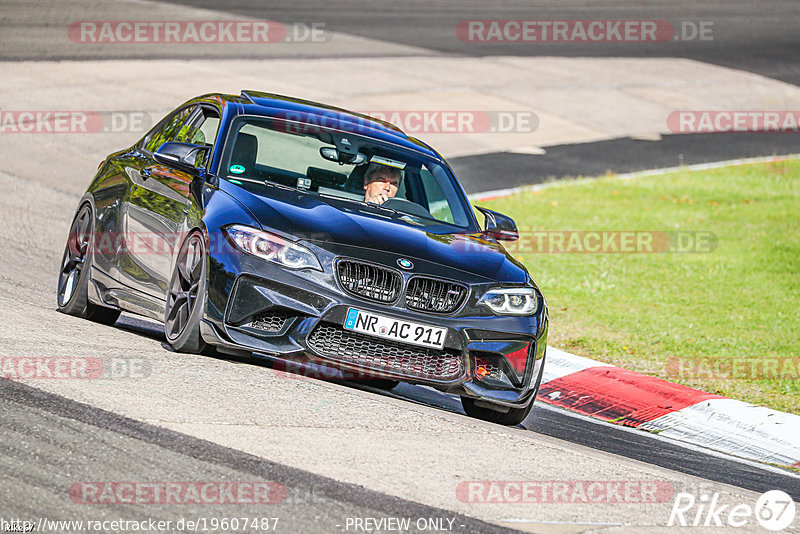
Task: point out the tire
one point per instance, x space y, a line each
186 298
76 265
513 416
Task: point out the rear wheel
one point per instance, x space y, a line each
73 279
186 298
513 416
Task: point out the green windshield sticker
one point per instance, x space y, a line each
237 182
237 169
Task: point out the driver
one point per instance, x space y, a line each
381 183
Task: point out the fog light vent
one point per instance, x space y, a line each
269 321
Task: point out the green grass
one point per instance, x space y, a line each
739 303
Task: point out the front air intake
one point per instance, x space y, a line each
369 281
432 295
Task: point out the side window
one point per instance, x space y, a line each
209 126
437 201
201 129
169 130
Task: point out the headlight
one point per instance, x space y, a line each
511 301
272 248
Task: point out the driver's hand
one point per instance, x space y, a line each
380 198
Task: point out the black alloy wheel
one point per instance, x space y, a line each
73 278
186 297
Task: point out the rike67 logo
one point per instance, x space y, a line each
774 510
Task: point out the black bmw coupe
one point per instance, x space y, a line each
313 236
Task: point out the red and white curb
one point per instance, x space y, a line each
619 396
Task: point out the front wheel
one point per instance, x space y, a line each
513 416
73 279
186 297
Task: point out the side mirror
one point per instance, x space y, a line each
499 226
181 155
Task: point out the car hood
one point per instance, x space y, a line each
335 225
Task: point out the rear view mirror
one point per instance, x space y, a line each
333 154
180 155
499 226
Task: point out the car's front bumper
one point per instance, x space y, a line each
293 307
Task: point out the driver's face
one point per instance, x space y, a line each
382 183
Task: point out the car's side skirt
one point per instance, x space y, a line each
105 291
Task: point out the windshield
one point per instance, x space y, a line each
340 165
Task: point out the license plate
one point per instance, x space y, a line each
395 329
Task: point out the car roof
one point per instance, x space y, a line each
286 107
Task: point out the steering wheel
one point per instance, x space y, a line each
406 206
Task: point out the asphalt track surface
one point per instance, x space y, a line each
503 170
85 442
41 430
759 37
544 419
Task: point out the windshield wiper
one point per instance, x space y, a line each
281 186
